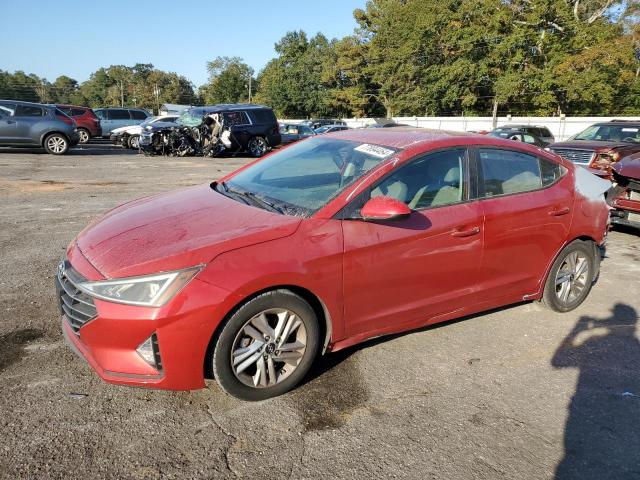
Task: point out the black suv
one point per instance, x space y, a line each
253 128
541 132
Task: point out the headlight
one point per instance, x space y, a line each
147 291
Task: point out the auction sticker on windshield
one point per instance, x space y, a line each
374 150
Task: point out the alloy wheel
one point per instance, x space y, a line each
268 348
84 136
572 277
56 144
257 146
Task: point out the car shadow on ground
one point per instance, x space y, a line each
601 438
94 147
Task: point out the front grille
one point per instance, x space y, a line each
77 306
583 157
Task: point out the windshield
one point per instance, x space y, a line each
611 133
189 119
322 129
303 178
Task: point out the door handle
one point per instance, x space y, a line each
466 233
557 212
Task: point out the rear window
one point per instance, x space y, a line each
138 115
117 114
506 172
263 115
28 111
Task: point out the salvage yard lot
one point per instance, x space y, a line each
485 397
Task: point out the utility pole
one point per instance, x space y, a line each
495 112
156 92
250 78
122 93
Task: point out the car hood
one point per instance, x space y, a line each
157 126
120 129
592 145
176 230
629 167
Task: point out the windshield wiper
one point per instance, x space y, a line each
252 197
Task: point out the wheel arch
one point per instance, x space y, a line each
580 238
319 308
44 136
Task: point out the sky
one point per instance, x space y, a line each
75 38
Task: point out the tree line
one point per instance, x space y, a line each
405 58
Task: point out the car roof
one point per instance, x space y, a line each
66 105
519 125
22 102
618 123
228 107
399 137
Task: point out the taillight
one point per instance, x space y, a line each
66 120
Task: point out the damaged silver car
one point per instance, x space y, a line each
212 130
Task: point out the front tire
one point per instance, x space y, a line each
133 142
56 144
84 134
257 146
571 277
266 347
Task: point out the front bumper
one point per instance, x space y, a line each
183 328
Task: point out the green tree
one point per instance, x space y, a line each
229 81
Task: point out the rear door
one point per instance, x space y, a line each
27 116
399 273
527 204
8 129
240 125
117 117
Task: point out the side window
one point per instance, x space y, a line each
263 116
235 118
138 115
551 172
28 111
100 114
7 110
77 112
118 114
506 172
431 181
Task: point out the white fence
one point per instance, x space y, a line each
561 127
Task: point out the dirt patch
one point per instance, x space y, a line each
335 390
11 345
13 187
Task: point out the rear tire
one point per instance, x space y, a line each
266 347
571 277
257 146
84 134
56 144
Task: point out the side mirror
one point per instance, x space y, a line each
384 208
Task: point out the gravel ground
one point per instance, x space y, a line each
516 393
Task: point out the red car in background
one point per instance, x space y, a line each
601 145
87 121
319 246
624 197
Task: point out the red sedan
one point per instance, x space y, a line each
319 246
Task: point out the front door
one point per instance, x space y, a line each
399 273
527 208
8 129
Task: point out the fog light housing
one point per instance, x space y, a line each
149 351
